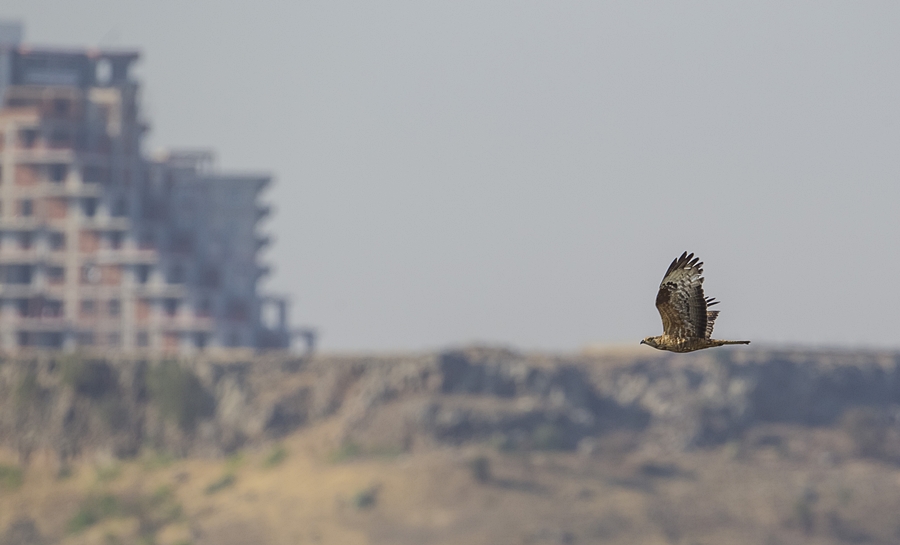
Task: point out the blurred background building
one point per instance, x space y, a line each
102 247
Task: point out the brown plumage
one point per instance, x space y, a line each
687 320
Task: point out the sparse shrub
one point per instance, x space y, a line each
156 459
152 512
803 514
845 496
548 437
91 511
868 431
508 442
179 394
108 473
27 389
346 451
386 450
803 510
22 531
161 495
234 461
65 472
366 498
114 412
221 483
157 510
91 378
276 456
11 477
659 470
609 525
667 520
480 467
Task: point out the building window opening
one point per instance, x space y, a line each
237 310
90 274
269 316
26 207
57 241
103 72
176 275
200 340
115 240
113 340
16 274
56 275
26 240
181 243
89 206
143 274
61 106
85 338
142 339
50 339
147 242
59 139
120 208
204 308
58 172
52 309
28 138
88 307
170 306
114 307
210 277
94 175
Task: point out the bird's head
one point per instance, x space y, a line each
651 341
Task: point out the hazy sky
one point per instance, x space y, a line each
523 172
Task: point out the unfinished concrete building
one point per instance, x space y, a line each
102 248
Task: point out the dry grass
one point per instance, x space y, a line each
779 485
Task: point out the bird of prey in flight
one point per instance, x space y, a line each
687 322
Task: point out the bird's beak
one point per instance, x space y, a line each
642 341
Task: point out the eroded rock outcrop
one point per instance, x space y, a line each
74 406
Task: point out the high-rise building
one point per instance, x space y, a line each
104 248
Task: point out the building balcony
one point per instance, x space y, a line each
124 256
28 223
161 290
106 223
16 255
186 323
31 290
262 242
263 212
44 155
43 323
54 189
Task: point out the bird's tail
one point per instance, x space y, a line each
735 342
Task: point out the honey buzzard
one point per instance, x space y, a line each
687 322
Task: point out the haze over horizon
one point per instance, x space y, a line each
523 173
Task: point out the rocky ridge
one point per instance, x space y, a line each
76 406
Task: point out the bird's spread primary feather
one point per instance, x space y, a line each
684 309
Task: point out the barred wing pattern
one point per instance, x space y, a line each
681 303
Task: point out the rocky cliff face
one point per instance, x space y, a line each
75 406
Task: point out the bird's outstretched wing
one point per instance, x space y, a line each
681 302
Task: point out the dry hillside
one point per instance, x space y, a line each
474 446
